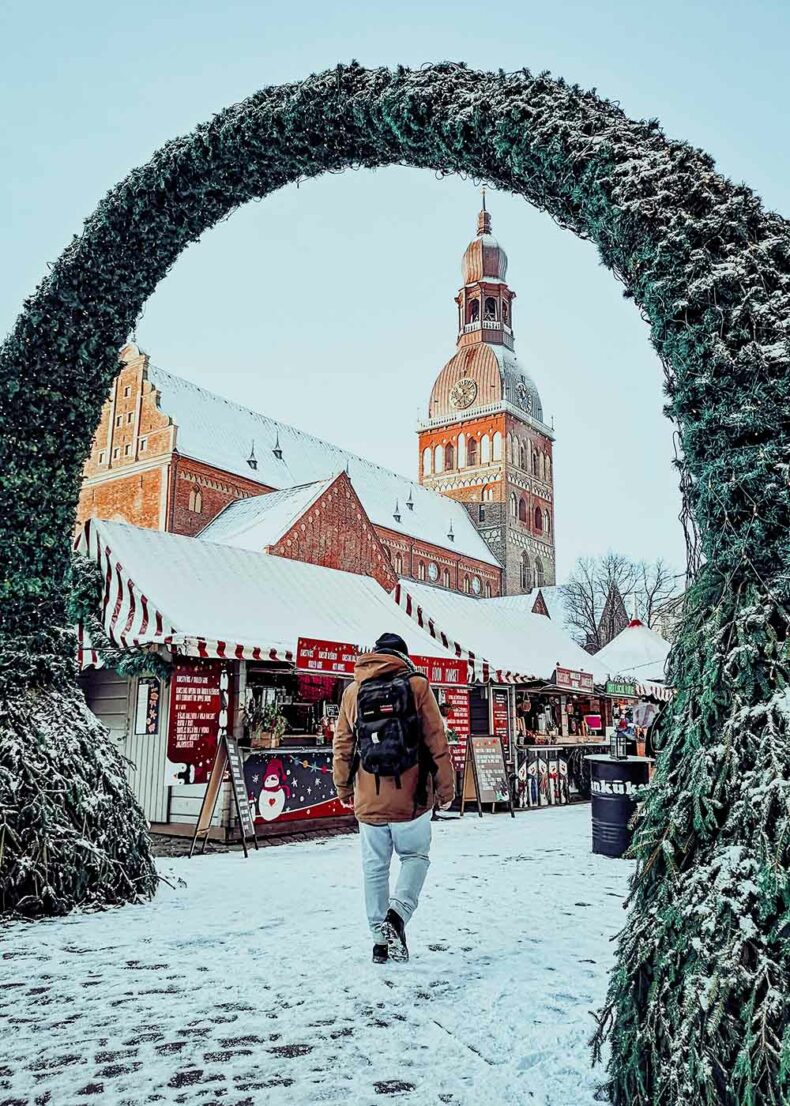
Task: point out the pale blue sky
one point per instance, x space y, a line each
331 306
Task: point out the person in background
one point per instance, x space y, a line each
391 762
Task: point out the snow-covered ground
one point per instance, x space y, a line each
252 985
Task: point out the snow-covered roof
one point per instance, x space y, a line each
170 588
221 433
261 520
510 637
637 652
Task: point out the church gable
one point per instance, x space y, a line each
335 532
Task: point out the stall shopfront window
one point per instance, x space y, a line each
287 708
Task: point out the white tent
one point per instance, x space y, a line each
211 600
637 652
517 644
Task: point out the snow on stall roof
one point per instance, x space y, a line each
553 595
637 652
261 520
221 433
510 638
219 592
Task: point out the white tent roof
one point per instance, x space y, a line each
221 433
509 637
636 652
261 520
216 600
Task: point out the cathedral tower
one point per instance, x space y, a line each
485 442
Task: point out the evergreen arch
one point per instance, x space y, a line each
698 1007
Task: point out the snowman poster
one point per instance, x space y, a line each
284 786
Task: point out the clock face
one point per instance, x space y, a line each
476 585
433 571
464 392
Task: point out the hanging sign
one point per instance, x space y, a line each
500 715
194 721
146 714
621 689
570 680
459 721
485 775
315 655
443 671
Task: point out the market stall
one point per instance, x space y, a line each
286 633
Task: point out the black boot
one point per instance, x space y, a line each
381 954
394 929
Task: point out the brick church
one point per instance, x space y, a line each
171 456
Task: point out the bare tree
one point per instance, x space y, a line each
602 593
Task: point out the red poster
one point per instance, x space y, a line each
194 721
314 655
458 720
443 671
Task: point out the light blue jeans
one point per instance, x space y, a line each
412 842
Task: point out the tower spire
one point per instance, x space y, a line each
484 218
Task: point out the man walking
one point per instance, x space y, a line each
391 762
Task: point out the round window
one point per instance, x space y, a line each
433 571
476 585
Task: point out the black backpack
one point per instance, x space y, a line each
388 731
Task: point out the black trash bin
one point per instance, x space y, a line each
612 786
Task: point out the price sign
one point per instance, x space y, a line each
315 655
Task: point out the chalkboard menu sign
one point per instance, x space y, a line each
236 770
458 720
485 774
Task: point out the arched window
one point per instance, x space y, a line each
488 591
487 494
467 585
471 452
544 465
473 311
505 312
485 450
446 577
539 520
526 573
497 450
461 451
426 461
548 468
449 456
513 505
540 578
490 310
535 463
421 570
510 455
547 521
523 457
399 564
438 459
196 501
522 509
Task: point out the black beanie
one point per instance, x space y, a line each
391 643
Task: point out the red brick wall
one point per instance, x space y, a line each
216 490
413 552
335 532
139 498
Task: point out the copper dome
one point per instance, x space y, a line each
484 258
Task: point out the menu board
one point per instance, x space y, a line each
195 703
239 785
315 655
500 715
488 770
458 720
443 671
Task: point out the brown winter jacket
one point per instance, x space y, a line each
391 804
